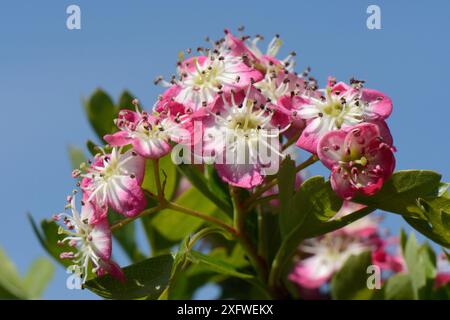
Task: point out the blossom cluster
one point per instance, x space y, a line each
325 255
231 101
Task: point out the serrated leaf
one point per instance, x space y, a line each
399 194
146 279
421 265
437 223
350 282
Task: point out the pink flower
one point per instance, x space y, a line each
239 135
360 158
340 106
283 91
150 135
325 255
114 180
91 243
248 49
202 78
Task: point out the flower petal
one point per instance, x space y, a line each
240 175
330 148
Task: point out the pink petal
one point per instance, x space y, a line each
92 211
341 184
237 46
311 273
347 208
330 148
379 104
101 239
151 148
118 139
113 269
127 198
240 175
136 165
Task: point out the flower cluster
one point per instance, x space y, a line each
325 255
239 108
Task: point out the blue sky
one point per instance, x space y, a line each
46 69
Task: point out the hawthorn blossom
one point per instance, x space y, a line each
91 244
248 48
202 78
340 106
114 180
360 158
283 91
242 139
149 134
325 255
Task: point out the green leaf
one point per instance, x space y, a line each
316 203
126 236
167 173
350 282
101 112
398 287
126 101
399 194
38 276
11 286
92 147
145 279
218 187
415 269
76 156
220 266
286 185
174 225
437 224
421 198
421 265
199 181
48 236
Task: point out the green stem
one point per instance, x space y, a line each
262 243
159 188
273 181
239 225
144 213
194 213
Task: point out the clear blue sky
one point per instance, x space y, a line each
45 69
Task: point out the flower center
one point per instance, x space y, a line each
208 76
